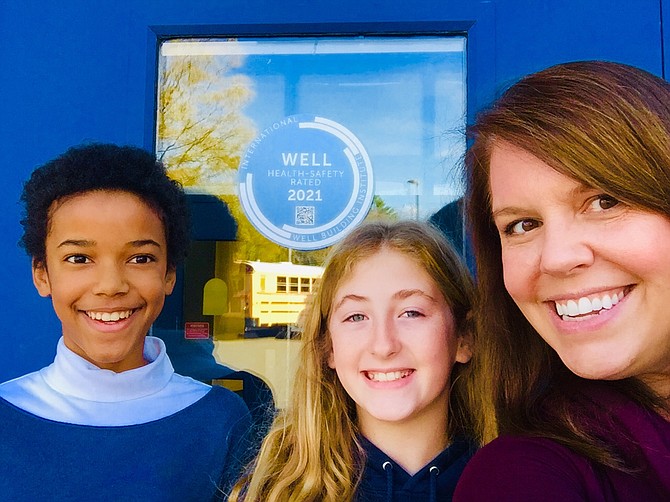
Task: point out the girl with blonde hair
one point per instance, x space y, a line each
382 404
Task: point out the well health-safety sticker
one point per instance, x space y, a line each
305 182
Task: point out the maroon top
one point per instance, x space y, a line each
523 468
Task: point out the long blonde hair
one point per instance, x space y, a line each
312 452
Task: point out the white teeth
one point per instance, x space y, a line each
584 305
387 377
607 302
109 316
572 309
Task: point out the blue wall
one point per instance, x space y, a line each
82 70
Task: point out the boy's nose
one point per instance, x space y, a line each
111 280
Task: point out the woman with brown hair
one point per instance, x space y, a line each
569 205
382 405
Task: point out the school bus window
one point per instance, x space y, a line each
281 284
304 284
294 284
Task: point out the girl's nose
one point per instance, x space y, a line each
385 341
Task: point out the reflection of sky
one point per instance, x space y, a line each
407 108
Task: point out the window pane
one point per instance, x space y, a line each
402 98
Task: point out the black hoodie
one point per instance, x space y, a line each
385 481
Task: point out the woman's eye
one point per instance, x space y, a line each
355 318
77 259
521 227
603 202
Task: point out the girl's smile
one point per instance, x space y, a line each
393 342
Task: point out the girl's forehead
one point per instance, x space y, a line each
381 268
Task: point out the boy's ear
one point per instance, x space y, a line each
464 350
41 278
170 280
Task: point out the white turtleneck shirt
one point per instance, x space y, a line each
75 391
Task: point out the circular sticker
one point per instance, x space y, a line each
305 182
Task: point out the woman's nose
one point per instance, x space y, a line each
566 247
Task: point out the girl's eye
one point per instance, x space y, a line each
412 314
355 318
77 259
603 202
520 227
140 259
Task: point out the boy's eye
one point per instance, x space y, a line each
412 314
520 227
603 202
144 258
77 259
355 318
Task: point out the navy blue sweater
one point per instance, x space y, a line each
385 481
188 456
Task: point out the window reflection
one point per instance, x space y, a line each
403 97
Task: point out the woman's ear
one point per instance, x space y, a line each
41 278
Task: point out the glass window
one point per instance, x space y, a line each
281 284
294 284
304 284
403 99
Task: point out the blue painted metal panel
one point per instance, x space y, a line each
85 70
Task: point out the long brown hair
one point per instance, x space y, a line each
606 125
312 452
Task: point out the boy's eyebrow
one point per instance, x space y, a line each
77 243
144 242
86 243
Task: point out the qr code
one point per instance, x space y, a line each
304 215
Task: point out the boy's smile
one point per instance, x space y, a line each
107 274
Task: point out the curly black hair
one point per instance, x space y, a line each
100 166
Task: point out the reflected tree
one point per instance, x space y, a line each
202 133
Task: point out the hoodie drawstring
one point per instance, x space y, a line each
434 473
388 469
